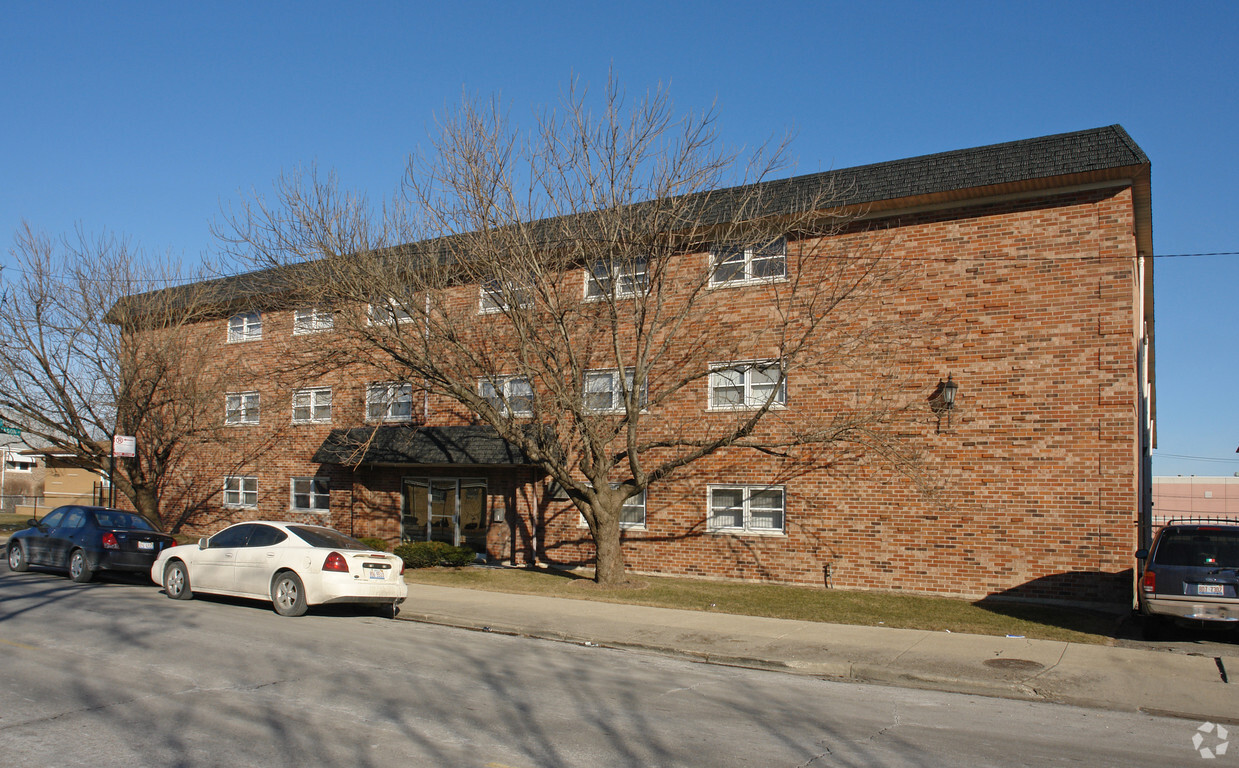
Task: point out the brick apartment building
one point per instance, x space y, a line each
1036 254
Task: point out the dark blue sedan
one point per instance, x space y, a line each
85 540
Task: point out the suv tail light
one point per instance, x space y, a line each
109 541
335 562
1150 581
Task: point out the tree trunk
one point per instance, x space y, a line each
146 502
609 560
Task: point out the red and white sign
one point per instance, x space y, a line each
125 446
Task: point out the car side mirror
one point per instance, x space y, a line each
204 543
1142 554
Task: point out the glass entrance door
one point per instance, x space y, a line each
472 514
414 511
444 509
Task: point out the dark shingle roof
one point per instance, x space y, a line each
405 444
1046 157
1014 161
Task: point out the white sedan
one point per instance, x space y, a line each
292 565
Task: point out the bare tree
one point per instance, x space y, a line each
101 339
559 286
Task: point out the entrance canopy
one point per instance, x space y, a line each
405 445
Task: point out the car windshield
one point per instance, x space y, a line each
325 537
110 518
1202 547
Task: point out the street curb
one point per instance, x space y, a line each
869 674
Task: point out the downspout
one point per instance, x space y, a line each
425 384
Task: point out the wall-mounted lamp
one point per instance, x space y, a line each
943 400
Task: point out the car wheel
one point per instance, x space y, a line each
388 610
176 581
79 567
17 558
1153 627
288 595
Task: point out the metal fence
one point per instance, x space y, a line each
27 507
1189 519
10 503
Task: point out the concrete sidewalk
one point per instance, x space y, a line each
1157 682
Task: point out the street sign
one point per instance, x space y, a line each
125 446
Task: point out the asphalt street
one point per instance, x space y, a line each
115 674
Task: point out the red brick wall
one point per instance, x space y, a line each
1036 475
1030 491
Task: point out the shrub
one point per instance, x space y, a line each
458 557
375 543
428 554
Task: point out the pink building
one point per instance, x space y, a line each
1193 496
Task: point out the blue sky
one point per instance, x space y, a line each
146 118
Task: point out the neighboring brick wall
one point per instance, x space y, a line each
1030 492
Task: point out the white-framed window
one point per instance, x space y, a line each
509 395
737 386
311 494
389 401
732 264
388 311
240 491
15 462
617 278
313 320
241 408
632 514
497 295
746 508
604 394
312 405
245 326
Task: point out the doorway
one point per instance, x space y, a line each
446 509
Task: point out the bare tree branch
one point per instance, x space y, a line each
522 269
101 339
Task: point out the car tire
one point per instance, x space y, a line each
1153 627
288 594
79 567
176 581
388 610
17 558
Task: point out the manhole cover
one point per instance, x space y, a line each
1020 665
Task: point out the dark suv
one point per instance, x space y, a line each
1190 572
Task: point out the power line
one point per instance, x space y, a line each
1158 455
1190 255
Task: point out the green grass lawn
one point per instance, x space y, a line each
777 601
803 603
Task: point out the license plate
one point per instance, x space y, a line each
1210 589
146 545
375 574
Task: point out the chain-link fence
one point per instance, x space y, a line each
10 504
17 508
